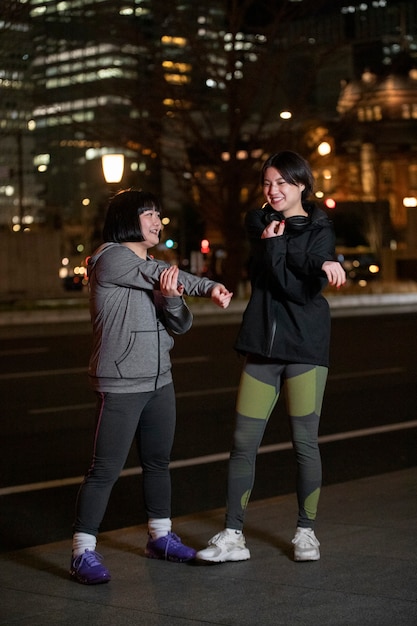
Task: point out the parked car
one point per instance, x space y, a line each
74 282
360 264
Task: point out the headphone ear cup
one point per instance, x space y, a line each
272 216
297 222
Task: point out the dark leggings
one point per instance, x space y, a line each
149 418
258 394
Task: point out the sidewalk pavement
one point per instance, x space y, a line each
76 309
367 575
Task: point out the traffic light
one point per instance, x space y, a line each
330 203
205 246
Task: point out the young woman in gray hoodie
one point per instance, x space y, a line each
135 303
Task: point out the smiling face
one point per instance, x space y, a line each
282 196
151 226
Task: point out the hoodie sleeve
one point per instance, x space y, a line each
173 312
117 265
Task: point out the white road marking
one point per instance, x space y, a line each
219 390
213 458
23 351
83 370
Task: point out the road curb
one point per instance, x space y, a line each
339 305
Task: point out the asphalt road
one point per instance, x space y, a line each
369 422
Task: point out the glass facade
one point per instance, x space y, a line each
191 93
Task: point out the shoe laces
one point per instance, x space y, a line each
305 537
90 557
221 538
172 540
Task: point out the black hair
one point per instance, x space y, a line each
293 168
122 219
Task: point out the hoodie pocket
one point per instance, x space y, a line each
141 357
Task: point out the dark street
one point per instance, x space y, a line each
368 422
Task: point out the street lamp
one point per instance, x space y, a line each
113 166
324 148
410 202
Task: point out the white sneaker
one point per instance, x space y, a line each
306 545
228 545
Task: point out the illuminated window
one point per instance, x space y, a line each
409 111
177 79
41 159
181 42
412 176
178 67
387 173
405 111
377 112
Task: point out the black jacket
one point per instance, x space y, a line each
287 317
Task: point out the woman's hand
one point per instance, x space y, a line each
335 273
221 296
274 229
168 282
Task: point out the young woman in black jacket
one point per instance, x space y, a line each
285 335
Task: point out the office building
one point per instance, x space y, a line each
152 81
20 205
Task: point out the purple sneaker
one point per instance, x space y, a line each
169 548
88 570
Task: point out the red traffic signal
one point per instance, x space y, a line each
205 246
330 203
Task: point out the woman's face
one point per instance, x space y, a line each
151 226
282 196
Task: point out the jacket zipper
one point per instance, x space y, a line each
272 337
159 355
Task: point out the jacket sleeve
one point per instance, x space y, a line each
309 261
281 279
173 313
289 269
255 224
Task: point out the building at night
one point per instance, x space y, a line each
150 81
18 189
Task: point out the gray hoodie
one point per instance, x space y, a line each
130 318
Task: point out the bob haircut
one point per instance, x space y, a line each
293 168
122 219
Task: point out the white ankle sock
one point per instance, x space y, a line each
82 542
159 527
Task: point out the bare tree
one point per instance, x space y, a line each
211 80
221 77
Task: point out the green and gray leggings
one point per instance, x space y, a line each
259 390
